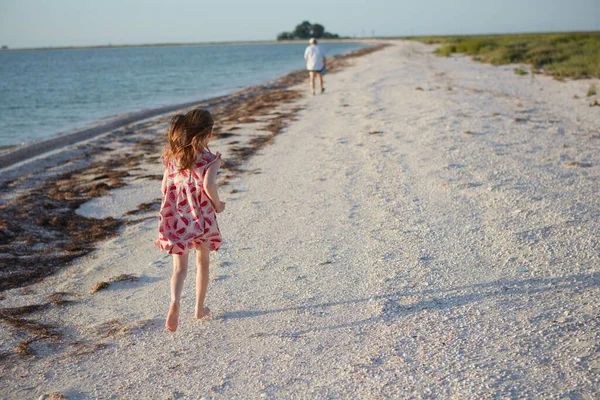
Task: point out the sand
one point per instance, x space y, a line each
427 228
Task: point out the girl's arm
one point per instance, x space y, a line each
210 186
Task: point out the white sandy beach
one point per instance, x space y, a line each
391 243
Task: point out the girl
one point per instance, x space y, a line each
187 218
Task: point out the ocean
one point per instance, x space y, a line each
47 92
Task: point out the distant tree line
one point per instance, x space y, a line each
306 30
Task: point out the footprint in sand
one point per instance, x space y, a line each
224 264
468 185
578 164
455 166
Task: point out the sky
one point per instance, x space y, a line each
41 23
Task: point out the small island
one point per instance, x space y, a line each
307 30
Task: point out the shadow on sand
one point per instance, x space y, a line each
437 299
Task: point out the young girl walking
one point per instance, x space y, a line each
190 201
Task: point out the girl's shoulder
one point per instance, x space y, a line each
206 157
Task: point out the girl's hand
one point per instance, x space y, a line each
220 208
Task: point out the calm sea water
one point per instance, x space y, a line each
43 93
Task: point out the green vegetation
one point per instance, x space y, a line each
307 30
574 55
592 90
520 71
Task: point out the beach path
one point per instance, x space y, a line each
428 227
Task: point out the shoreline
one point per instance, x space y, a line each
42 197
10 155
17 154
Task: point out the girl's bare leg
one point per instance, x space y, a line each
202 261
180 264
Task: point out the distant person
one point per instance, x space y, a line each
315 64
190 201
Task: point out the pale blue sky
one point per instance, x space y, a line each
31 23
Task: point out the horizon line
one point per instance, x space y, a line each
274 41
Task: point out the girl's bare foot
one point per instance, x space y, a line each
173 317
202 313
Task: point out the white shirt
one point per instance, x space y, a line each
314 58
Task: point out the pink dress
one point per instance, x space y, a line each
187 218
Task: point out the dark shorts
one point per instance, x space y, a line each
315 70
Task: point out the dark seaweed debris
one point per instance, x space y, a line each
40 231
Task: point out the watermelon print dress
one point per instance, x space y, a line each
187 218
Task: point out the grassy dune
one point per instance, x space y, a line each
563 55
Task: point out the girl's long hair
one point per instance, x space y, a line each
188 134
